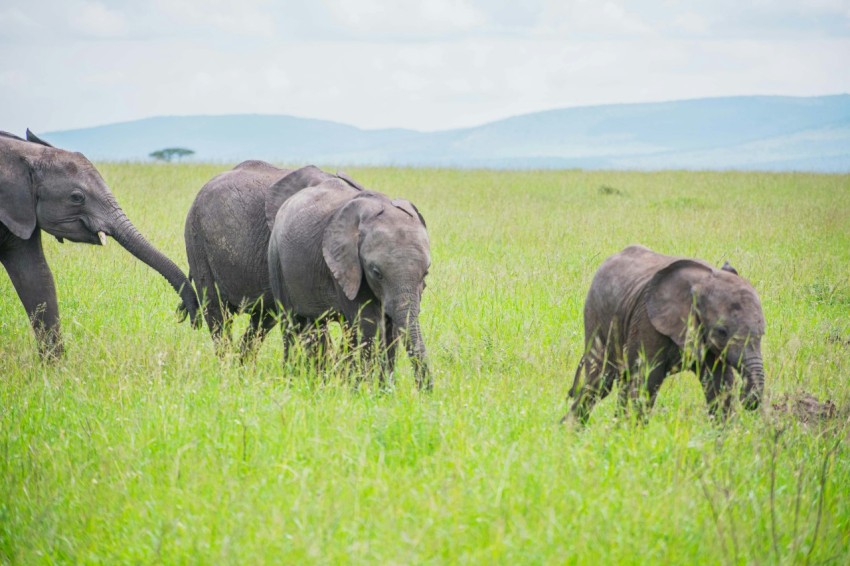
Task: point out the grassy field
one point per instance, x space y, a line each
141 446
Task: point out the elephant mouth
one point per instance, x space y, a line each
82 235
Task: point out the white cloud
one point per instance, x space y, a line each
405 17
94 19
455 68
589 18
692 23
245 18
13 20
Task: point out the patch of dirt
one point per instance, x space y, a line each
835 338
806 407
609 190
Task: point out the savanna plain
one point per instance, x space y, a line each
142 446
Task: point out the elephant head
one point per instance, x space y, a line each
384 244
63 194
727 314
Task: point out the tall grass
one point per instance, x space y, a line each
142 446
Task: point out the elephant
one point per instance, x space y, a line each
340 251
227 237
61 192
644 310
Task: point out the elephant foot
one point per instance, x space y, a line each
50 345
571 422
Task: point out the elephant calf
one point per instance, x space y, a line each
641 311
227 239
338 250
61 193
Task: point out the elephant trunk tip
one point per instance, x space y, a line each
189 308
424 380
751 401
182 312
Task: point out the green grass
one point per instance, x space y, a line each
141 446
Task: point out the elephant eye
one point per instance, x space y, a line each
721 333
77 197
377 273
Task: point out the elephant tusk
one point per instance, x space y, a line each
102 237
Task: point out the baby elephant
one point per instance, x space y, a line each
642 309
339 251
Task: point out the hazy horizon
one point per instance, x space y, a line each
769 133
499 119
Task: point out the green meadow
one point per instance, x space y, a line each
141 446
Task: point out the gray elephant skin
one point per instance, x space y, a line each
227 237
337 250
61 192
641 311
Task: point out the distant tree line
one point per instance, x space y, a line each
170 153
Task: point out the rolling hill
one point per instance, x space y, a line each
749 132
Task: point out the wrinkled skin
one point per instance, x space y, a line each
338 251
644 310
43 188
227 237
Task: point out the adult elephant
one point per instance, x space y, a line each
227 238
60 192
339 251
641 311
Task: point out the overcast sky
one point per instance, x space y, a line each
427 65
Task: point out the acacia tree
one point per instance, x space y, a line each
170 153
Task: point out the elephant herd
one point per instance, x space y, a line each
306 248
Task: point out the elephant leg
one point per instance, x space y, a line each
210 301
718 381
640 387
368 326
313 335
600 374
261 322
327 357
389 347
31 276
318 339
291 329
355 352
577 383
308 332
219 319
216 313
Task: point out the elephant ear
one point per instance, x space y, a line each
670 297
308 176
354 184
341 243
410 209
35 139
17 194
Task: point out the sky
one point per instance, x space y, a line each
429 65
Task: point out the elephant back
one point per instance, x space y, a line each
306 177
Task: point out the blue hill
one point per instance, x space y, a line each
752 132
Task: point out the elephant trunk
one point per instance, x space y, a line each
408 327
126 234
753 374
